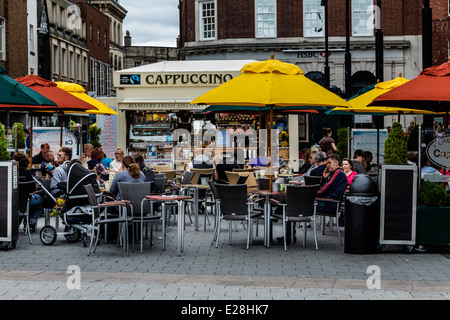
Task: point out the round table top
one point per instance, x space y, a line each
267 192
162 197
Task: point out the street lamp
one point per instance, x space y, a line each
379 47
324 3
348 55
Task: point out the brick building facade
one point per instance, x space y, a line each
14 37
97 39
294 31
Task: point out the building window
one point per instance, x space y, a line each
63 62
55 59
2 40
61 17
108 80
207 20
313 19
31 44
138 63
71 64
105 39
98 35
303 128
101 80
317 77
266 18
91 30
362 14
94 70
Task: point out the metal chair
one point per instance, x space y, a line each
161 184
234 206
141 211
300 207
332 214
312 180
100 218
26 190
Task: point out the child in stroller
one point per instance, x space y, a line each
72 205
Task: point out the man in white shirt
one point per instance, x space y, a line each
116 164
60 173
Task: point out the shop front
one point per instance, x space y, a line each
154 100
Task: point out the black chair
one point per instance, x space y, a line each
334 214
187 178
242 179
161 184
234 206
312 180
99 218
263 183
140 211
26 190
300 207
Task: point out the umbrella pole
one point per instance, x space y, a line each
269 149
31 135
61 126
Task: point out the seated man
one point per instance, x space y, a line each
60 173
334 180
321 160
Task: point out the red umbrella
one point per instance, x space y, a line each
49 89
64 101
429 91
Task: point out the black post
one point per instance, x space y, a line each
348 55
427 45
324 3
379 54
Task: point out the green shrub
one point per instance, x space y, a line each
20 135
431 194
395 150
94 136
4 154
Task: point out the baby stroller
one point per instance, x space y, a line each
72 207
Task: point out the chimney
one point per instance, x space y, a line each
127 39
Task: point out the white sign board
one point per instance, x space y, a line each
366 139
52 136
438 151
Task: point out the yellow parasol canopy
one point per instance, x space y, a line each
360 103
79 92
271 83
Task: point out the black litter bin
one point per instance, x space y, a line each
362 216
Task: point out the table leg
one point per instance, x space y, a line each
196 208
180 240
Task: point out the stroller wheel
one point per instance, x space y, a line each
48 235
75 236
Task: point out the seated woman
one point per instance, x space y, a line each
36 199
349 170
96 164
130 172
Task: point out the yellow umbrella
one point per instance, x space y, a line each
272 84
79 92
360 103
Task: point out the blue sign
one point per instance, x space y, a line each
130 79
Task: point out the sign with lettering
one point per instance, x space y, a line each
52 136
438 151
130 79
108 138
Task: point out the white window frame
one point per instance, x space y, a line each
264 17
2 39
210 34
313 28
361 14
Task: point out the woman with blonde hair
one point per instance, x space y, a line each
130 172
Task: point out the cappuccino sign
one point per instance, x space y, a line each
438 151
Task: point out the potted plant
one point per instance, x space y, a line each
395 148
94 136
21 145
4 154
433 215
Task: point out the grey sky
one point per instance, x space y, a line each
151 22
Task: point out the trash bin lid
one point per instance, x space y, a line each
363 185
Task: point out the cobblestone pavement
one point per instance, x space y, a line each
229 272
